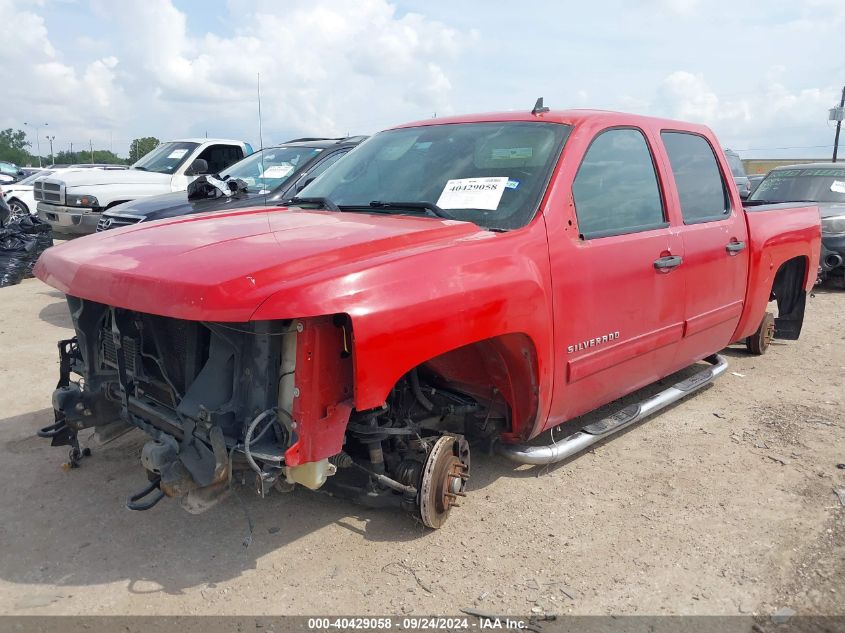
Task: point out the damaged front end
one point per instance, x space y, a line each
269 401
216 398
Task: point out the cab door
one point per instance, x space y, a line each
715 242
618 280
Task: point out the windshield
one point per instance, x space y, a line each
272 167
166 158
492 174
33 177
824 184
8 168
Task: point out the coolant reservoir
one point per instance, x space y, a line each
311 474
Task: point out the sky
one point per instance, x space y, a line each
762 74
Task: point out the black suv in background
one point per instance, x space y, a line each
272 175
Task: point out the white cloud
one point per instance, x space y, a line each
769 118
325 69
39 87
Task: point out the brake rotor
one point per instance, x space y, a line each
759 342
443 480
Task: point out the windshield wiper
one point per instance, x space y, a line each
141 168
430 207
326 203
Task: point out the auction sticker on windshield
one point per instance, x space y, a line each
278 171
838 186
177 153
473 193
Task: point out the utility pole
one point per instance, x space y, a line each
72 157
838 116
51 139
91 148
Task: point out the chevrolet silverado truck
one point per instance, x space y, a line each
475 281
73 202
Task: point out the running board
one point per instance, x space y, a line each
592 433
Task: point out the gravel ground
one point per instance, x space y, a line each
722 504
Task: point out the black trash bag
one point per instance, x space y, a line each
17 253
210 187
206 188
43 233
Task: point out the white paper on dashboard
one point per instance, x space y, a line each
473 193
177 153
838 186
278 171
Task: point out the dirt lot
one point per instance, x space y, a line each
723 504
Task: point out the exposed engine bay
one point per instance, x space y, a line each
263 401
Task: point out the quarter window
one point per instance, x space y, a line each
616 190
701 188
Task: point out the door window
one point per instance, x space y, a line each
219 157
616 189
701 188
311 176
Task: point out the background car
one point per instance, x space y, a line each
824 184
738 172
272 175
19 195
9 172
754 181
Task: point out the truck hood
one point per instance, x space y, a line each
222 266
171 205
95 177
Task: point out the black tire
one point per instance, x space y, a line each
759 342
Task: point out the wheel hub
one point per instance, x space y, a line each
443 481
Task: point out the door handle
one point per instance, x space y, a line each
735 247
668 263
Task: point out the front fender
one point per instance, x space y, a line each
409 309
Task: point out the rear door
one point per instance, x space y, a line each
715 242
618 281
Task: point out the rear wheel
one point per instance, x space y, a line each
758 342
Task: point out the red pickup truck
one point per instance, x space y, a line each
468 280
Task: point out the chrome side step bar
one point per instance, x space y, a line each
592 433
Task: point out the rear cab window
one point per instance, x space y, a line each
701 187
219 157
616 190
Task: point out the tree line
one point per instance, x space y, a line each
14 148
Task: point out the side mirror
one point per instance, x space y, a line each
199 166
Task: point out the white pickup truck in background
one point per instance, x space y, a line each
73 202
